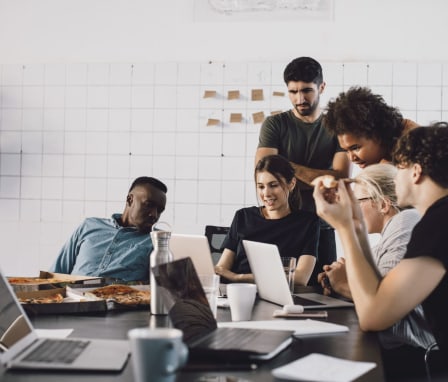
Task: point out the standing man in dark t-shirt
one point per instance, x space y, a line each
298 135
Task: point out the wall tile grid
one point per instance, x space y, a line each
74 136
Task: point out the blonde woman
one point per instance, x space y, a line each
374 190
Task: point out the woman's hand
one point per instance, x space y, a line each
226 273
323 280
336 208
234 277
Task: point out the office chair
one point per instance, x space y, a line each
215 236
432 352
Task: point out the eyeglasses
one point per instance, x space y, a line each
363 199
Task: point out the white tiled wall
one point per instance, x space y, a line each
74 136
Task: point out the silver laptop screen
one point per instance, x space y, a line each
13 325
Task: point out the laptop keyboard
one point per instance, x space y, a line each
57 351
304 301
229 338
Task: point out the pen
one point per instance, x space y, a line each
220 367
326 282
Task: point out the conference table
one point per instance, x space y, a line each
353 345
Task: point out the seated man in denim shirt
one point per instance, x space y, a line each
119 247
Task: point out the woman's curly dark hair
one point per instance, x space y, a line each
363 114
427 146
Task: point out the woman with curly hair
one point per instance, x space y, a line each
366 126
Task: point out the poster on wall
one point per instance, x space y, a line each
263 10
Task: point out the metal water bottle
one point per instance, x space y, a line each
161 254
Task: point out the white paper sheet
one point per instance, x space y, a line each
323 368
300 327
53 333
223 302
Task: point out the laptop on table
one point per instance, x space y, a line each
197 248
267 268
21 348
189 311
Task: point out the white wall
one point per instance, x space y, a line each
137 30
95 93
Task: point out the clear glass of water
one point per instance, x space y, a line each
289 266
210 284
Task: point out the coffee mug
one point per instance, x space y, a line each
241 298
157 353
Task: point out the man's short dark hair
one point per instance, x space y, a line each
144 180
427 146
305 69
363 114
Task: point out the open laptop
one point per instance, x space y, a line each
189 311
197 248
267 268
21 348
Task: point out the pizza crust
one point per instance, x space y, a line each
328 181
34 280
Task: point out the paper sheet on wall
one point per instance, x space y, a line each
300 327
323 368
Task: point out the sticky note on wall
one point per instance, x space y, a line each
278 94
257 95
236 117
258 117
213 122
209 94
233 94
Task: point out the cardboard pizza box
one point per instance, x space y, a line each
49 280
69 305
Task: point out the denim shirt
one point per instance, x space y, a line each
101 247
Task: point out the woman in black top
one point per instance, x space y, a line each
278 220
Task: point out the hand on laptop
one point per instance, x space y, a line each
334 279
323 280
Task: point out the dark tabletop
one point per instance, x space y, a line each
353 345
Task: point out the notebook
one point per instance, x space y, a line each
19 341
197 248
189 311
266 266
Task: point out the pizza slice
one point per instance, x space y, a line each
50 299
122 294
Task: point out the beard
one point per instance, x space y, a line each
144 225
310 109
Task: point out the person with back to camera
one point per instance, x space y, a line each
421 157
374 189
278 220
299 135
366 126
118 247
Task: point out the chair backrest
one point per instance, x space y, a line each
215 236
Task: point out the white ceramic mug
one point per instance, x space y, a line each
241 298
157 353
